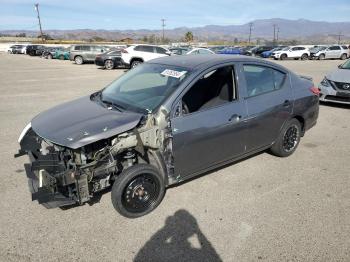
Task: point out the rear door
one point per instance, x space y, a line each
269 101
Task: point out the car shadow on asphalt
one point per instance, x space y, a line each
180 239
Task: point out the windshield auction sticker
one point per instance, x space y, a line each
173 73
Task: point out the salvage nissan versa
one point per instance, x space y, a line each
161 123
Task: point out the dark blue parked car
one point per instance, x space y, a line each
230 51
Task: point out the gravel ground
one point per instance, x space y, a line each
261 209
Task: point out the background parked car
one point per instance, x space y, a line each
332 52
257 51
200 51
230 51
62 54
18 49
110 59
81 54
49 52
268 54
179 50
294 52
34 50
137 54
335 87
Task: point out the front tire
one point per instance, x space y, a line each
49 56
138 190
321 57
288 140
283 57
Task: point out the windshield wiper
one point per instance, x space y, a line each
113 105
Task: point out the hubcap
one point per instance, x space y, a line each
78 60
109 64
290 139
141 193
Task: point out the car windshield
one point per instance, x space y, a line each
346 65
144 88
286 48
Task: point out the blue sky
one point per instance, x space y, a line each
137 14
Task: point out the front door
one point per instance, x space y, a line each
210 129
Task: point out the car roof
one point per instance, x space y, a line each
198 61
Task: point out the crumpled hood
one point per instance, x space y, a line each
81 122
339 75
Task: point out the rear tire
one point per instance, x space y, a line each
138 190
343 56
78 60
288 140
304 57
109 64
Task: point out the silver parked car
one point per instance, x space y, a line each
335 87
85 53
332 52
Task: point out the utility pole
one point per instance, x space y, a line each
41 31
274 33
278 31
250 32
339 37
163 25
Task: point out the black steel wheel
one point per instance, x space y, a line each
288 140
138 190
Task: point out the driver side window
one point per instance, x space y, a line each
215 88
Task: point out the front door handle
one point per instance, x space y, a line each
287 103
235 118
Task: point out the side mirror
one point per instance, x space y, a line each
340 66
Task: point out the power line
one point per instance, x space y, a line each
163 25
41 31
250 31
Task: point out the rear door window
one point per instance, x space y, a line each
85 48
262 79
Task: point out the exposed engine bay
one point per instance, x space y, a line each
60 176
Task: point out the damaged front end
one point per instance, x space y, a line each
60 176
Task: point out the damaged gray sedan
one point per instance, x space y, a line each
161 123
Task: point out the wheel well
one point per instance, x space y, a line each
77 56
136 59
284 54
302 122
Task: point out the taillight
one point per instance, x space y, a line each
315 90
124 51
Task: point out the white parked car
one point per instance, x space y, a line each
294 52
136 54
200 51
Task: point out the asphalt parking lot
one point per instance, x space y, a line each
261 209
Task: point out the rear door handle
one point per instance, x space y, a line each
235 118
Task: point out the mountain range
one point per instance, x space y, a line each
301 30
